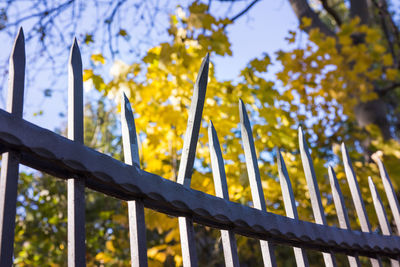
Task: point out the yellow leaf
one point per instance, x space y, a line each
98 58
305 22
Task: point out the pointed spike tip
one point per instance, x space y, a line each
331 173
125 98
20 33
19 47
302 140
20 38
372 186
212 133
242 111
202 76
75 48
210 128
74 45
206 61
343 146
75 59
279 157
300 130
126 104
345 153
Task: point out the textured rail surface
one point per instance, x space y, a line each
49 152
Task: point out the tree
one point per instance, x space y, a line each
323 83
346 65
382 107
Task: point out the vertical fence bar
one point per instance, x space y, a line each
315 196
221 190
381 214
76 186
290 205
10 163
186 229
357 200
137 226
257 193
341 211
390 193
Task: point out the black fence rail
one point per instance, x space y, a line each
22 142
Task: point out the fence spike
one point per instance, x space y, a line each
357 199
257 193
390 193
186 229
379 209
75 94
341 211
381 214
313 189
221 190
290 205
10 163
193 125
137 226
129 138
76 186
16 78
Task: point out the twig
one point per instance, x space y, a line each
331 12
244 11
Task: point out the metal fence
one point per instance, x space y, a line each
68 158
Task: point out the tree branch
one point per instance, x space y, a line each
382 17
385 90
303 10
359 8
386 16
331 12
244 11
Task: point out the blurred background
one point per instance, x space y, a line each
330 66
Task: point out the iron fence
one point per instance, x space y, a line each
22 142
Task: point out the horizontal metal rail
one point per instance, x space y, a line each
47 151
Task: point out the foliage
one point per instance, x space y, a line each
318 87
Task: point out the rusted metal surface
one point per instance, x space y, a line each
9 163
76 185
137 226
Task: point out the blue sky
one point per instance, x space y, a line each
263 29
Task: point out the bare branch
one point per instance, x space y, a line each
303 10
244 11
331 12
389 88
385 17
359 8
